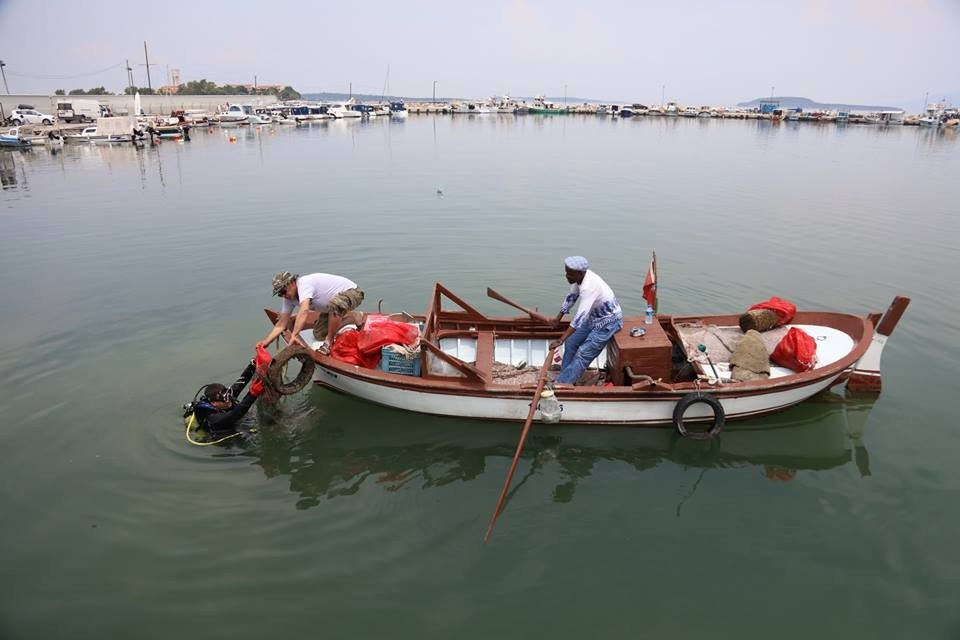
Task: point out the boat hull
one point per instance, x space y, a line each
14 144
640 409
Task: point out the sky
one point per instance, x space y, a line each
719 52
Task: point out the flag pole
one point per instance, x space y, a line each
656 279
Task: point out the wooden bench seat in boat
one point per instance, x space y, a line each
472 348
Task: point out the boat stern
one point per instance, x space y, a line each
865 377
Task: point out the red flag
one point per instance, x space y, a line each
650 284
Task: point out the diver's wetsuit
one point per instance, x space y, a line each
219 423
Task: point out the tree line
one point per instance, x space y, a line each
194 88
96 91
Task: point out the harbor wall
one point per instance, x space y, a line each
157 104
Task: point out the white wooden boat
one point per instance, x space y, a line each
463 350
91 135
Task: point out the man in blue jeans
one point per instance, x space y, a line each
597 319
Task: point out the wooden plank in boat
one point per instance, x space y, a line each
485 353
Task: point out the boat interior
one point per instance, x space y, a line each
466 345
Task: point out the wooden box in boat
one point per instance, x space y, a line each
648 354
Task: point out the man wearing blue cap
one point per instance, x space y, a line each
597 319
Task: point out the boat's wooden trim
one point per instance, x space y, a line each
892 316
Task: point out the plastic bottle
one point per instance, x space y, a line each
549 407
649 317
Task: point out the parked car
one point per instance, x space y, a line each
30 116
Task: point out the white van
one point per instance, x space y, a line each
78 110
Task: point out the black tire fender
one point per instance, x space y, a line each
275 370
687 401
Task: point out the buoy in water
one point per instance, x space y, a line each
233 138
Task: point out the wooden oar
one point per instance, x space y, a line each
530 312
523 439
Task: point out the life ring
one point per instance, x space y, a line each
275 371
719 417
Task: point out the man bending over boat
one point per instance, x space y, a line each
597 319
328 295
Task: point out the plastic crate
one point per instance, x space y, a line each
393 362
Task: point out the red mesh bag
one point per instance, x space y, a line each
262 361
784 309
797 350
346 349
385 332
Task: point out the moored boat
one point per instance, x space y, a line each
13 138
471 108
471 365
542 106
504 104
341 110
234 115
108 131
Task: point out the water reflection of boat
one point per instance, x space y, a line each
396 451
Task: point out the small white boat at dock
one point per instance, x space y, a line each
234 115
342 110
13 138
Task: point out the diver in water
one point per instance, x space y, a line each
215 408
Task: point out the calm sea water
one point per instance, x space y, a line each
131 277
